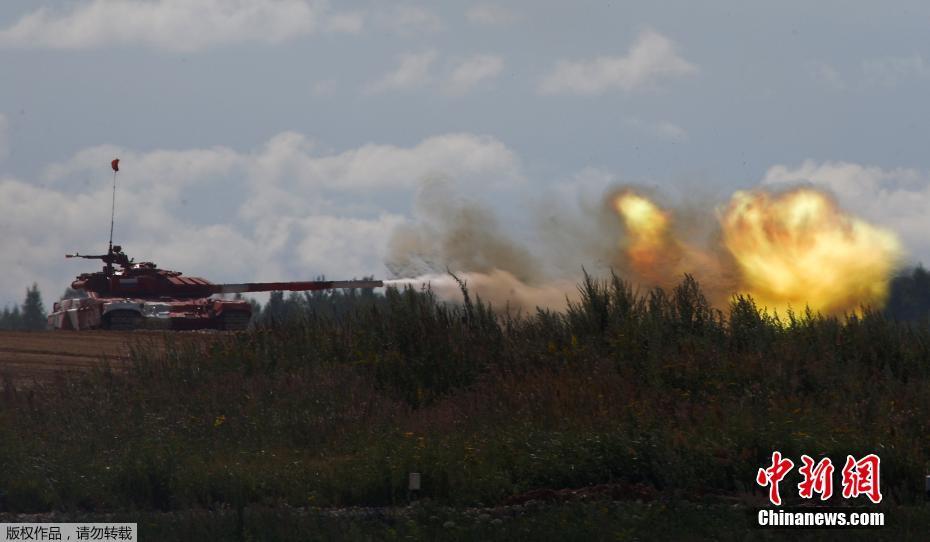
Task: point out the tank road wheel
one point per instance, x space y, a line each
235 320
123 320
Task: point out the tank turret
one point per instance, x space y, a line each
128 295
146 280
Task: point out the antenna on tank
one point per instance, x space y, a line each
115 165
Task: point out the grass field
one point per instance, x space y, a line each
628 417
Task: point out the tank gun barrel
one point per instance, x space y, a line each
142 295
295 286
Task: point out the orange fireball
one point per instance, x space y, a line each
800 249
650 243
793 249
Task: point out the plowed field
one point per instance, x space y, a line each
27 357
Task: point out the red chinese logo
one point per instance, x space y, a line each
817 479
773 475
861 478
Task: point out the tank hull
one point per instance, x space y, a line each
133 313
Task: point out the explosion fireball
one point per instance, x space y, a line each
799 248
650 243
793 249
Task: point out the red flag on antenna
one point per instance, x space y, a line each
115 164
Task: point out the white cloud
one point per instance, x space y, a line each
175 25
331 244
4 137
490 15
413 71
670 131
891 71
283 211
286 176
471 72
409 20
652 57
348 23
666 130
895 198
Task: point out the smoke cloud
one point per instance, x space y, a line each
457 235
788 249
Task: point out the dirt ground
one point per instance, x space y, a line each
30 356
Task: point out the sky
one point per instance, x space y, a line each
283 140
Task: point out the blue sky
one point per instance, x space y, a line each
284 139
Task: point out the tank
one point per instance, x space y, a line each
126 295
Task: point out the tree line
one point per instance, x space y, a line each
30 315
908 301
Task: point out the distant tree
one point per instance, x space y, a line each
274 310
294 307
34 316
909 298
11 319
256 311
280 309
338 303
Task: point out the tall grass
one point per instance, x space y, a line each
337 404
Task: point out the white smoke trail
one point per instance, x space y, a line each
498 287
